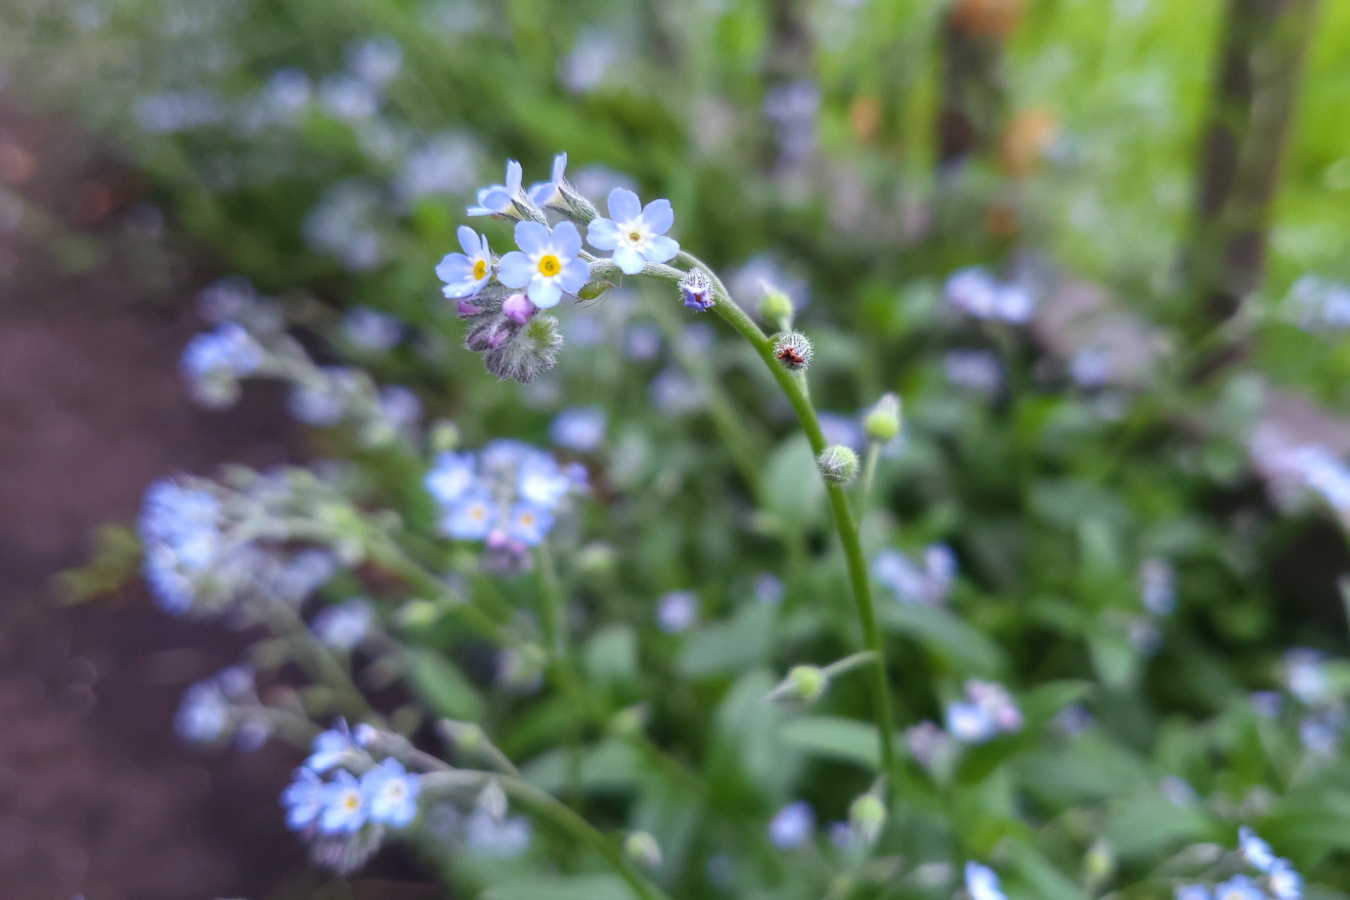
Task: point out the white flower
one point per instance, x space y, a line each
465 273
635 234
546 263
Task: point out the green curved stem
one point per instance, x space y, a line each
795 391
546 806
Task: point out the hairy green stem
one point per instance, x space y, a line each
795 391
869 474
318 661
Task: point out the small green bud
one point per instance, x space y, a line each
867 816
466 736
596 558
418 614
643 849
443 436
838 465
882 424
775 307
629 722
804 683
793 351
1100 863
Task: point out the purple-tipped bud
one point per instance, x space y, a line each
518 308
496 539
497 338
467 310
698 291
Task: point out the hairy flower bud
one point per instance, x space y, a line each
443 436
697 290
518 308
867 816
838 464
882 424
793 351
529 352
643 849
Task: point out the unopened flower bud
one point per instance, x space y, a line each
518 308
643 849
629 722
882 424
466 736
1100 863
443 436
418 614
775 307
698 291
867 816
804 683
838 465
793 351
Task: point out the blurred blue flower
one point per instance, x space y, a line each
369 330
1239 887
345 805
982 882
528 524
676 611
1254 850
450 477
303 799
470 517
392 793
1193 892
791 826
345 626
974 370
330 747
1285 882
487 837
204 714
546 264
579 428
635 233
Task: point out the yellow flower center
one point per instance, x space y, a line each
477 513
549 265
352 802
480 268
635 236
527 519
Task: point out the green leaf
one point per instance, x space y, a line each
1147 824
1046 882
611 655
743 641
792 486
610 767
441 685
835 738
945 634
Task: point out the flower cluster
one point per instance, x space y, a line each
927 585
1320 709
505 495
208 545
1319 304
501 297
1271 878
344 817
225 706
977 293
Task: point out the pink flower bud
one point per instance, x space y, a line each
467 310
518 308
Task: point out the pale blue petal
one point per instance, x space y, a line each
453 267
603 234
624 205
515 270
542 193
559 168
532 237
513 176
574 275
629 261
659 216
566 240
478 211
661 249
468 239
496 199
544 293
483 247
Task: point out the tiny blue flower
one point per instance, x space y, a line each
541 482
499 199
471 517
791 826
549 193
450 477
1157 586
204 715
635 234
1285 883
392 793
329 747
676 611
400 405
369 330
1254 850
1239 887
227 349
345 805
1267 704
580 428
970 724
1306 675
486 837
345 626
1320 734
768 588
1193 892
528 524
982 883
546 264
465 273
303 799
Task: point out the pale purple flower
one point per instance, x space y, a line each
546 264
466 273
635 233
791 826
